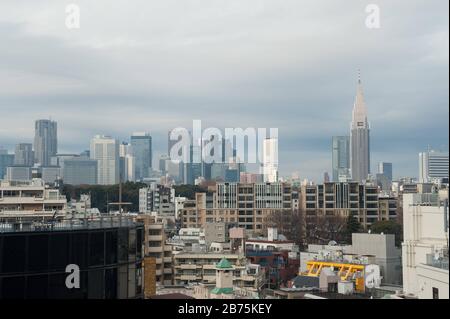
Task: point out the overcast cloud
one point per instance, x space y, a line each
146 65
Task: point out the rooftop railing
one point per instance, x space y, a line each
97 222
441 262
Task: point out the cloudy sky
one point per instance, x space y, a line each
147 65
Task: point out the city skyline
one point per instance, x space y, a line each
92 81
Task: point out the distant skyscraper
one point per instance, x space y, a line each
45 141
5 161
18 173
80 171
326 177
162 163
433 166
23 155
141 144
127 162
340 156
105 150
270 160
385 169
360 138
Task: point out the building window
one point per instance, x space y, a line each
435 293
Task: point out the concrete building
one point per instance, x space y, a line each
188 214
105 150
80 171
51 174
18 173
127 163
155 247
232 282
433 166
243 205
141 144
157 198
24 155
360 138
270 160
45 141
385 169
216 232
378 249
192 267
342 199
30 200
425 246
340 157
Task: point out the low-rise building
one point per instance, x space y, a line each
30 200
155 246
366 249
425 246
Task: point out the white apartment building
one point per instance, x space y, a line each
30 199
425 247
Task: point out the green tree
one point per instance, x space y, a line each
188 191
388 227
352 226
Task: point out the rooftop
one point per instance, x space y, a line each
67 224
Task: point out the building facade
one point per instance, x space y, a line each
425 247
80 171
433 166
105 150
345 199
5 161
340 157
24 155
45 141
33 260
141 144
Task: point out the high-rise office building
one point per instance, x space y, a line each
385 169
340 156
18 173
270 160
5 161
127 162
23 154
45 141
360 138
433 166
80 171
105 150
141 144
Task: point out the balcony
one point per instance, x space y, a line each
167 259
209 278
441 263
155 237
157 249
186 266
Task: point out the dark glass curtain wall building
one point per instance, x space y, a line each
33 261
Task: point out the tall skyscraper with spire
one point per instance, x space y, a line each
360 138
